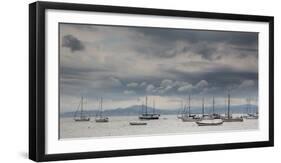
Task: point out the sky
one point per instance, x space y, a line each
124 64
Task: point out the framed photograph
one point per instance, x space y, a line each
109 81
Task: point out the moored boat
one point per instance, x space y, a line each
250 114
80 115
137 123
228 117
210 122
100 118
187 117
231 119
149 116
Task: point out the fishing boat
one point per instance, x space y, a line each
138 123
100 118
149 116
228 117
80 115
209 122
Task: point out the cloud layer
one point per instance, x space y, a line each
124 64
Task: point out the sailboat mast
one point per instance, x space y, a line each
213 105
153 105
189 105
228 106
247 108
183 109
225 108
81 107
101 107
250 109
145 104
203 107
142 107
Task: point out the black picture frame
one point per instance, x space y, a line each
37 80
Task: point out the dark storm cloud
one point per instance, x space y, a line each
159 51
71 72
203 43
73 43
218 82
170 35
82 27
247 49
205 51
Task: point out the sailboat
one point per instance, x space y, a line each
215 115
99 117
182 111
207 120
79 115
188 117
149 116
228 117
249 114
205 116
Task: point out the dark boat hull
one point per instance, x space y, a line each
149 116
209 124
82 120
233 120
102 120
189 119
137 123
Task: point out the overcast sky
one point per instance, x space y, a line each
125 64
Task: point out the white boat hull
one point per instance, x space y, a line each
211 122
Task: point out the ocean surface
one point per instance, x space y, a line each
167 124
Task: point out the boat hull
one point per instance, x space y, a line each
189 119
137 123
249 117
82 120
102 120
149 117
233 120
209 122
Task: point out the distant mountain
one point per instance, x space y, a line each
136 110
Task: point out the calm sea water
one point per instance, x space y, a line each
167 124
